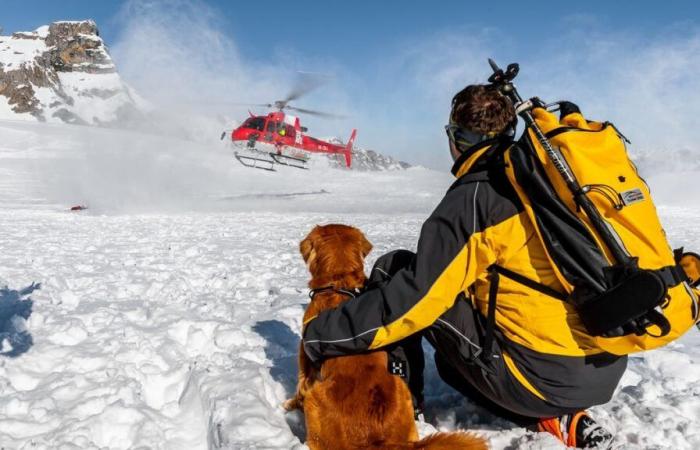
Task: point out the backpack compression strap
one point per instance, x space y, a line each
672 276
495 273
669 276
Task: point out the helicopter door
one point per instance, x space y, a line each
289 132
270 131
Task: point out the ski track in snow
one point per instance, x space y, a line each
180 330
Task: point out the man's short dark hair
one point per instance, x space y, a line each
482 109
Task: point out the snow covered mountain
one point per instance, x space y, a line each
62 73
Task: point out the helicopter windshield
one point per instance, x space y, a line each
256 123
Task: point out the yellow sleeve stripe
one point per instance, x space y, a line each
510 364
456 277
306 322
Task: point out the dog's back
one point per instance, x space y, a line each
353 402
367 406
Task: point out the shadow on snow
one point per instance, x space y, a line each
15 309
282 349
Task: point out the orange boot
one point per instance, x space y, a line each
577 430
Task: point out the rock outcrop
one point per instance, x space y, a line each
62 72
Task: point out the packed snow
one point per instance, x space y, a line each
167 315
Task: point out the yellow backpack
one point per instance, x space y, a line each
596 219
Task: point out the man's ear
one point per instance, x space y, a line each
307 246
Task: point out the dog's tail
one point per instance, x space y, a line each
456 440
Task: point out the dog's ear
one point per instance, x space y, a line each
307 245
365 245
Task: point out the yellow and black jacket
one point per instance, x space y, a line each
480 222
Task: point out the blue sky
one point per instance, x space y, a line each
395 63
359 31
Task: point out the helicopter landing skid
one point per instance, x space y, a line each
255 163
291 161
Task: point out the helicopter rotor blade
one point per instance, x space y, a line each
227 103
316 113
266 105
307 82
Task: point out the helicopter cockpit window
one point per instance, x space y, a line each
256 123
272 126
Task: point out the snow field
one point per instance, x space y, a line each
155 331
182 331
179 328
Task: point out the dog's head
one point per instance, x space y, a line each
330 251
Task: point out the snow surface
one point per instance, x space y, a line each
15 51
168 315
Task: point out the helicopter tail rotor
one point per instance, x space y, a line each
348 148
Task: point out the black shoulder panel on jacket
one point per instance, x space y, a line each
466 209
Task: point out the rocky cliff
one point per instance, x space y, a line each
61 72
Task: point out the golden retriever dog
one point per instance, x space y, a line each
353 402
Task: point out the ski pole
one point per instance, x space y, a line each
504 81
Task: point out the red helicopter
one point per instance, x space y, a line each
284 131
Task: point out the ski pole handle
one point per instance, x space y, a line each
504 81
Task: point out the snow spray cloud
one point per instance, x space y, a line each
180 56
173 57
177 55
178 59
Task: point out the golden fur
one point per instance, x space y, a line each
353 402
